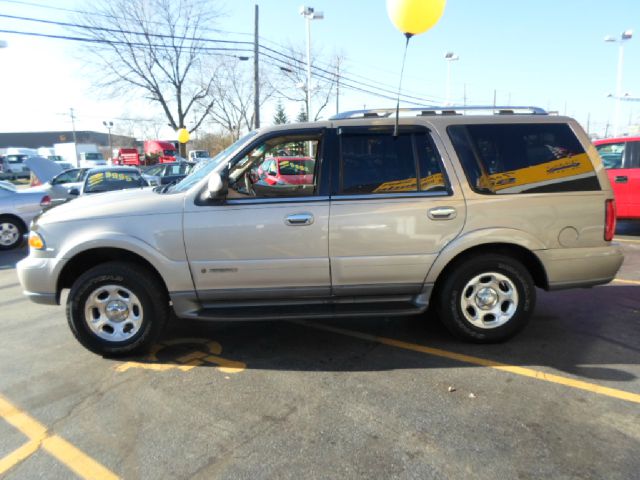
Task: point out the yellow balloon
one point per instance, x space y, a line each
183 135
415 16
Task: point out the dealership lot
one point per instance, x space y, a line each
375 398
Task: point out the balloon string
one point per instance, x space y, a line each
404 58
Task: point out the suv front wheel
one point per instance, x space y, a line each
486 298
117 309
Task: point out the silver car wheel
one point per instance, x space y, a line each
489 300
113 313
9 234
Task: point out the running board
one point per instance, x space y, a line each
288 312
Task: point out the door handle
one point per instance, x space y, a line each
442 213
622 179
298 219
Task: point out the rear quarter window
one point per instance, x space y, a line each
612 154
523 158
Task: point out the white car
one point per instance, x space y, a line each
17 209
92 160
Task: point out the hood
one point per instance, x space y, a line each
119 203
43 168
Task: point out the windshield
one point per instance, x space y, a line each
204 168
113 180
170 153
93 156
16 158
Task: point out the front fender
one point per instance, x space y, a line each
174 271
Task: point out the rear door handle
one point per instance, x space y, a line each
442 213
622 179
298 219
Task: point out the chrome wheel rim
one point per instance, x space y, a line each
113 313
9 234
489 300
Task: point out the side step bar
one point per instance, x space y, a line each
281 312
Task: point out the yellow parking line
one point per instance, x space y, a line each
630 282
76 460
626 240
18 455
525 372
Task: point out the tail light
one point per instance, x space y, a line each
609 219
46 201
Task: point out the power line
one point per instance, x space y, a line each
120 42
117 30
385 91
373 84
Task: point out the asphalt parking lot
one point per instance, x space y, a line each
375 398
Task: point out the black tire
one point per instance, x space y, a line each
9 227
151 303
503 275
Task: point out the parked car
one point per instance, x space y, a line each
92 159
13 166
465 213
56 182
289 170
166 173
621 157
197 155
17 209
107 179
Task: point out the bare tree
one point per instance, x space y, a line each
156 47
230 98
323 80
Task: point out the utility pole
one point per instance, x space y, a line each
337 85
256 74
75 142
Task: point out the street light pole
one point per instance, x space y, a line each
626 35
449 57
309 14
109 125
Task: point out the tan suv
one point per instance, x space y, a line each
463 212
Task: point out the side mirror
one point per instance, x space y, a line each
74 191
217 187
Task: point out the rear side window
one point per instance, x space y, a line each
523 158
373 162
612 154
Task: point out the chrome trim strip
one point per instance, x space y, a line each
257 201
375 196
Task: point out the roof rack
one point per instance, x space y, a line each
449 110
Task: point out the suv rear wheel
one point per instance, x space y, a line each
117 309
486 298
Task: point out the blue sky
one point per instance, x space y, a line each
548 53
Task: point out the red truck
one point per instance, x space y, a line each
157 151
128 156
621 158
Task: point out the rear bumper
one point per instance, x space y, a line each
580 267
